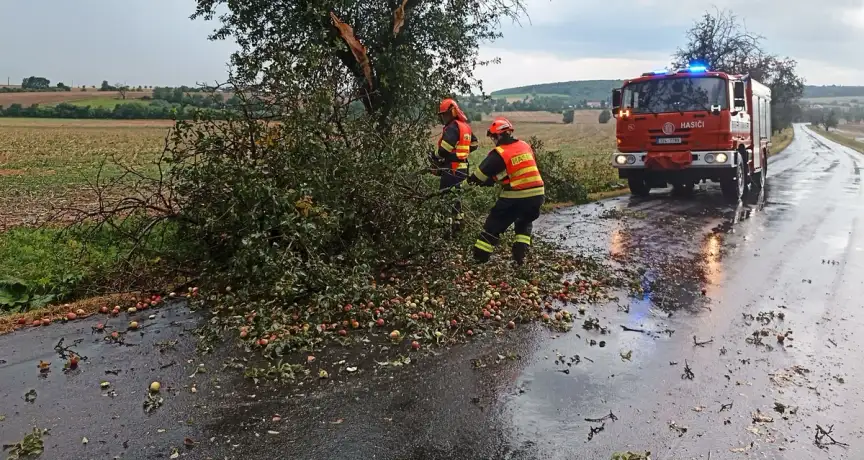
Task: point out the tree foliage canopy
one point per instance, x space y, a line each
722 42
398 57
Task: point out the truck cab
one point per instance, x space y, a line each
682 127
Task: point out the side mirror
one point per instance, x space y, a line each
738 96
616 101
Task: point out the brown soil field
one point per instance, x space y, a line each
27 99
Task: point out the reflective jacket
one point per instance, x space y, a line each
514 166
456 143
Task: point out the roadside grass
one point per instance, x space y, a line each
781 140
841 139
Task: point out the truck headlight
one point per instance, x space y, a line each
709 158
721 158
621 159
631 159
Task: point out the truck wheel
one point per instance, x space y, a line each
638 185
734 187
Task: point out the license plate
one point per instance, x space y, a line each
669 140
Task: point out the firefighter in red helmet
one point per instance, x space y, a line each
450 160
513 165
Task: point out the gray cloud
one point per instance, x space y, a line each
829 32
154 42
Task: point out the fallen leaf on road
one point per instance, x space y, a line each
2 418
105 385
631 456
322 374
31 446
337 421
189 442
742 449
30 396
272 432
759 417
152 402
753 429
698 408
625 356
175 453
84 440
351 369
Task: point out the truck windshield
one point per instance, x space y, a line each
682 94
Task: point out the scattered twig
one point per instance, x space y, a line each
832 342
166 366
726 406
822 433
630 329
680 429
688 373
67 352
697 343
610 416
595 430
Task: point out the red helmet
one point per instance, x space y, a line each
447 105
499 126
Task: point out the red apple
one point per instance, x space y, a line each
22 321
355 324
486 314
243 334
36 322
80 312
380 322
46 321
415 345
263 342
347 308
115 335
343 332
103 310
511 325
100 327
394 335
454 323
469 332
71 316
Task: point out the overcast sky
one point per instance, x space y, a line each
154 42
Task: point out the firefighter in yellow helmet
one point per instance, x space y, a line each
513 165
450 159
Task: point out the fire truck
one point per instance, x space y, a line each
684 126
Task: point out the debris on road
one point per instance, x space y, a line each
688 373
609 416
822 433
631 455
31 446
682 430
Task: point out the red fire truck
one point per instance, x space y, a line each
686 126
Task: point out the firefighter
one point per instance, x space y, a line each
450 160
513 165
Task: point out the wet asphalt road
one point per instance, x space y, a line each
710 270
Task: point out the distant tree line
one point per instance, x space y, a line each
156 110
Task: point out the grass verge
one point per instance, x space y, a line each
841 139
781 140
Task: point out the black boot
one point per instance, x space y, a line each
520 250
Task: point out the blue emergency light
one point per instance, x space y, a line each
697 67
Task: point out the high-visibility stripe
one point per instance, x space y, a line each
524 171
446 145
461 147
459 165
537 191
523 239
501 176
528 180
484 246
479 174
499 149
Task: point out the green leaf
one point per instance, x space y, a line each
39 301
13 292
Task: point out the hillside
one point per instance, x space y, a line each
592 90
811 91
596 90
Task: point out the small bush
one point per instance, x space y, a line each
569 116
559 175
